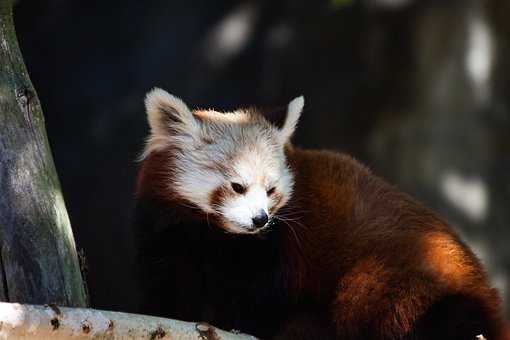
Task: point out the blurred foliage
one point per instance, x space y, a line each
337 4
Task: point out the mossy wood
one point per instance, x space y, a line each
38 260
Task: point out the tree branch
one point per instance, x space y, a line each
52 322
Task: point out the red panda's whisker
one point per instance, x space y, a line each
296 237
293 220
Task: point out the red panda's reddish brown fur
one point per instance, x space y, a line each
352 258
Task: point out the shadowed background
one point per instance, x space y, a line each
417 90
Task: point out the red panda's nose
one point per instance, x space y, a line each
260 220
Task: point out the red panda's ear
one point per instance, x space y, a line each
294 110
168 114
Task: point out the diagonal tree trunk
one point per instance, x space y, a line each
38 260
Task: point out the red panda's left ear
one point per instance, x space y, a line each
168 114
294 110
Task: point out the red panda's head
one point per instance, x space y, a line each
231 166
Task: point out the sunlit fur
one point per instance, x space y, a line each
214 149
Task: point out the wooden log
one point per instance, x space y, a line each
55 323
38 261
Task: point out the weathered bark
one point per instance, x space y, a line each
38 261
51 322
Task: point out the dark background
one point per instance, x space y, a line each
417 90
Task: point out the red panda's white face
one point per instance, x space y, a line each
232 166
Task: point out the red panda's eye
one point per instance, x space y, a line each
271 191
238 188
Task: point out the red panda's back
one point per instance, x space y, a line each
391 267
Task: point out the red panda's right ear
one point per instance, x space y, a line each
294 110
168 114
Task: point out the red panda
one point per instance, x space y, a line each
239 228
